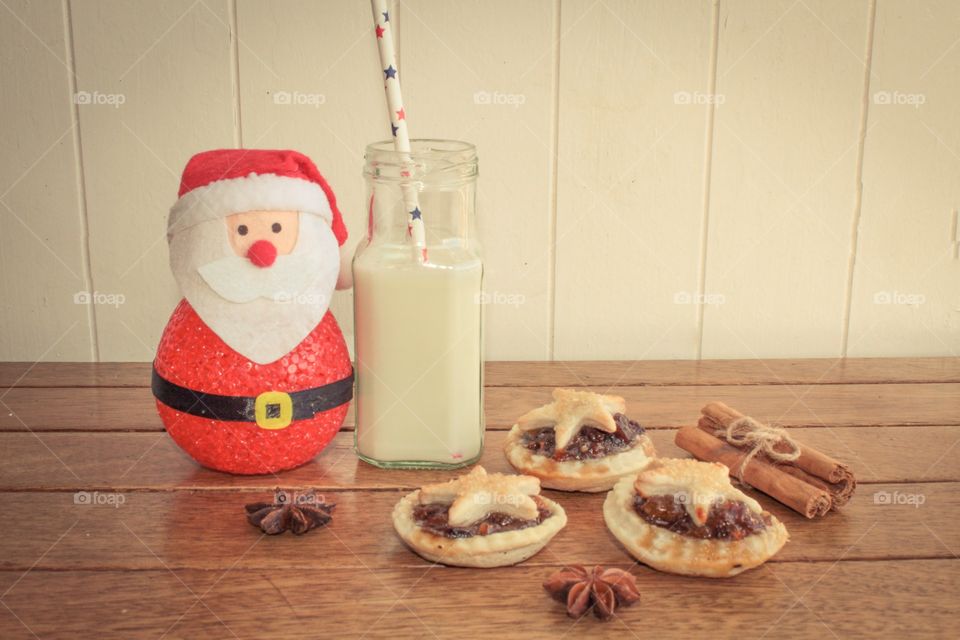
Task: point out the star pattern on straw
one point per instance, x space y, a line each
395 109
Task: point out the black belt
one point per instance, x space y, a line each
270 409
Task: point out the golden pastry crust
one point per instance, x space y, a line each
572 410
475 495
589 475
494 550
675 553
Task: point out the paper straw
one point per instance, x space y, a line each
398 119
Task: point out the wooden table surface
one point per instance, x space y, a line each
162 548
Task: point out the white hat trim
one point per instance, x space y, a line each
267 192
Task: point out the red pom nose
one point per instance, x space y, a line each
262 253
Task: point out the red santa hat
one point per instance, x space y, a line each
222 182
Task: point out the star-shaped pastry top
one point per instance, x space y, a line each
572 410
474 496
698 485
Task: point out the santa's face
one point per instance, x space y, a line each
261 280
277 228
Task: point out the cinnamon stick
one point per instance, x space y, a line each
802 497
840 492
812 467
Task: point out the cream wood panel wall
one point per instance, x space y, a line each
630 190
42 255
484 72
906 290
171 63
783 191
310 80
659 179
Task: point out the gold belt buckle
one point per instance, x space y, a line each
273 410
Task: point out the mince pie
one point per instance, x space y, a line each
581 441
684 516
478 520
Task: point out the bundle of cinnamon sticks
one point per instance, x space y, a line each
812 484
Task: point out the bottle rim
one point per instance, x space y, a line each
429 159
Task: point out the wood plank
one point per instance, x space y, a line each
93 408
904 598
41 216
784 176
905 298
171 62
74 374
630 178
789 405
571 373
612 373
129 461
655 407
145 530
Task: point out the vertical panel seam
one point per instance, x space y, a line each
858 179
235 73
707 173
554 174
92 331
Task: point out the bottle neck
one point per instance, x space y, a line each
435 182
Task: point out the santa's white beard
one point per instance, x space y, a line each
237 279
262 313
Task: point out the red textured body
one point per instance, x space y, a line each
193 356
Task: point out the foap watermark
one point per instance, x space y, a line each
309 299
299 99
896 497
100 298
696 498
899 98
114 100
514 100
291 497
709 299
484 498
500 298
96 498
899 297
698 97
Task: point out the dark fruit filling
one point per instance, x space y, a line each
434 518
589 443
727 520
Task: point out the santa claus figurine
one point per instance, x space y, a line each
252 374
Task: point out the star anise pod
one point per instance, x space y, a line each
298 512
602 589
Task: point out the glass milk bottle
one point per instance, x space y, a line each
418 322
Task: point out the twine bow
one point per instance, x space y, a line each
747 433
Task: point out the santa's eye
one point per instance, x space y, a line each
276 227
242 229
